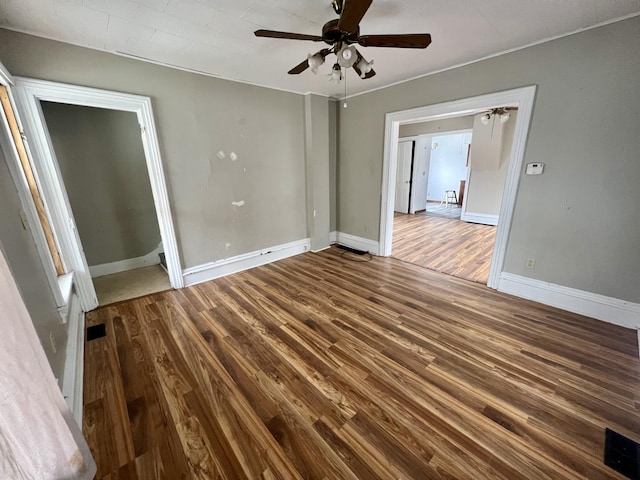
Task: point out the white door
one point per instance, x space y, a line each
403 177
420 180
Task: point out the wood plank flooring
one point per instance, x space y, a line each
445 245
436 209
323 366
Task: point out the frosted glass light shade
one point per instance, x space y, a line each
315 61
336 74
364 67
347 56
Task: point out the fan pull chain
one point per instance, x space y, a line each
344 105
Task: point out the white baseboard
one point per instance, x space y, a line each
72 382
221 268
479 218
333 237
360 243
607 309
151 258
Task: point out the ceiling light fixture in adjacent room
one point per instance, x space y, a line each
502 113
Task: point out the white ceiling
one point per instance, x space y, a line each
216 36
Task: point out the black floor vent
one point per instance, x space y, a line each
163 260
622 454
96 331
352 250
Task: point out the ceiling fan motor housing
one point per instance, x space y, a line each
332 34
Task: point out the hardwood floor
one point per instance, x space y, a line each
322 367
436 209
445 245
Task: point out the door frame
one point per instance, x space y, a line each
414 171
26 197
524 97
29 93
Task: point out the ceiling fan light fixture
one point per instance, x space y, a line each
342 34
347 56
314 61
336 74
364 67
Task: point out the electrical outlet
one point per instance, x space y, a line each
52 340
531 263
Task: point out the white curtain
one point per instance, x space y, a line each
39 439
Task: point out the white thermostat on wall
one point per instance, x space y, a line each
535 168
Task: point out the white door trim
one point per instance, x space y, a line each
6 78
29 93
26 199
523 97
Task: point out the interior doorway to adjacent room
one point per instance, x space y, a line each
471 247
38 99
102 164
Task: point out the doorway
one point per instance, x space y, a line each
102 167
30 94
522 98
447 173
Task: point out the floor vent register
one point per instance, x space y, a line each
622 454
96 331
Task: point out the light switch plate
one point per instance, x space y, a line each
535 168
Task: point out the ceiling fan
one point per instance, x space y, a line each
341 34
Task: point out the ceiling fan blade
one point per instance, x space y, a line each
369 74
352 13
411 40
301 67
287 35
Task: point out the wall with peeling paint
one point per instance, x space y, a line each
197 117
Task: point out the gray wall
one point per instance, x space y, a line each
105 174
334 106
317 162
580 218
196 117
486 183
436 126
19 249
